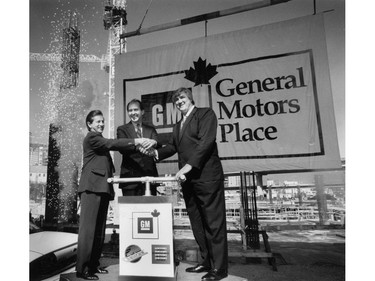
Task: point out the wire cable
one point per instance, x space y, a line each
140 26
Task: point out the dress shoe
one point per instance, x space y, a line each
87 276
215 274
100 270
198 269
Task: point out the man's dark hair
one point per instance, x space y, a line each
135 101
91 115
183 90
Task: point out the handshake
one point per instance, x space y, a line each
146 146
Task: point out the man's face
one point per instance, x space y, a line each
183 103
97 124
135 113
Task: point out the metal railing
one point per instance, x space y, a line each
147 180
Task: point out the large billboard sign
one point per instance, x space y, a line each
269 87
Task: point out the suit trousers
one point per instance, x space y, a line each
205 204
92 224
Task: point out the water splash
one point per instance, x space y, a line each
66 110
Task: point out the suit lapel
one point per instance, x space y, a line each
131 130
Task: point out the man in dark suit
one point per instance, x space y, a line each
95 193
202 179
134 163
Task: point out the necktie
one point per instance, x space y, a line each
138 131
182 122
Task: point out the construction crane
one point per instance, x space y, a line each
70 54
57 57
114 20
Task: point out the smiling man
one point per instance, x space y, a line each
95 193
202 180
134 163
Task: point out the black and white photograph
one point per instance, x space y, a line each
188 140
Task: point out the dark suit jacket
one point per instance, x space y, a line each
97 162
134 163
196 145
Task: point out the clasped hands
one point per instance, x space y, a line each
146 146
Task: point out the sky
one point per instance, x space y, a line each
31 29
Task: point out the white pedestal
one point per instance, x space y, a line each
146 238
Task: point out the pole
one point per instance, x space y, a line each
204 17
270 194
314 7
148 189
146 180
321 199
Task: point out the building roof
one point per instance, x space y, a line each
38 169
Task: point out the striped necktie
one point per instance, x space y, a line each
138 131
182 122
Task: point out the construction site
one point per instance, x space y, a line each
283 223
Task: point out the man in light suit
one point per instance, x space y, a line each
202 179
95 193
134 163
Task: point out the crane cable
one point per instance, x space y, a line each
140 26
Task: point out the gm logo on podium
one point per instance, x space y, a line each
146 225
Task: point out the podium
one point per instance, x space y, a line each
146 236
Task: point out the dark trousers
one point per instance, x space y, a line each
92 224
205 204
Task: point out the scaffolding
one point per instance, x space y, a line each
114 19
70 54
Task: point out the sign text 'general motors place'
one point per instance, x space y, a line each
238 110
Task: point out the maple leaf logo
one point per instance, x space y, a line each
202 73
155 213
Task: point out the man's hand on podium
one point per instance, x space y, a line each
180 176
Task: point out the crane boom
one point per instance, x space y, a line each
57 57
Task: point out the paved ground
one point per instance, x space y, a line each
307 255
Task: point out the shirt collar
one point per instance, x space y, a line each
135 124
189 111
